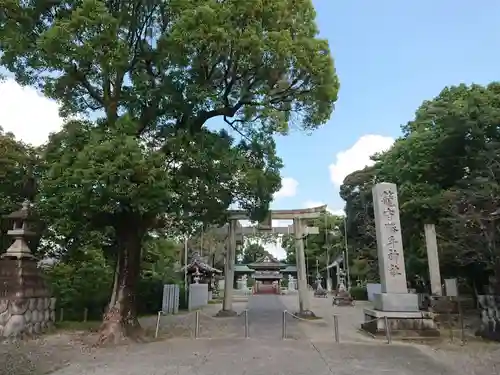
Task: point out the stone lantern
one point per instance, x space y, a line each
20 232
26 306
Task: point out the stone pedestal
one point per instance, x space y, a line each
400 323
26 307
404 302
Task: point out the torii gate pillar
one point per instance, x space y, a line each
227 304
304 298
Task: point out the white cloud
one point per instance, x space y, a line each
358 156
275 249
27 114
311 204
339 212
288 188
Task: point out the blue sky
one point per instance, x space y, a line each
390 56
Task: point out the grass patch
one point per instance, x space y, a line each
89 326
312 318
215 301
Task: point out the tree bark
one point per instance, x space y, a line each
120 320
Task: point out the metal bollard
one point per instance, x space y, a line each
387 330
283 326
157 324
197 324
462 326
450 326
246 324
336 328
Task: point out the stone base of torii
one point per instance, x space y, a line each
299 229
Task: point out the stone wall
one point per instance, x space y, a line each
26 306
26 316
489 308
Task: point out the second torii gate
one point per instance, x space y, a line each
300 231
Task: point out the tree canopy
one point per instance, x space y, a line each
445 165
252 252
170 108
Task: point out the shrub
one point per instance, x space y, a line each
359 293
84 285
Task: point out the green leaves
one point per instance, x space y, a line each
19 167
252 252
446 169
257 64
324 247
154 73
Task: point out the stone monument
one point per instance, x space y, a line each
292 284
394 301
242 283
26 306
433 260
451 287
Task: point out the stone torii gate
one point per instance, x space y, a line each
300 231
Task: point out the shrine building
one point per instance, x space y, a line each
267 273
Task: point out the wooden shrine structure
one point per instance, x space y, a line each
267 275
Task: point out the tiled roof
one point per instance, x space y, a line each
245 268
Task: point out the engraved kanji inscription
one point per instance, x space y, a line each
391 227
389 213
391 242
388 198
394 270
393 255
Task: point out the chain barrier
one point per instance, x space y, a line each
387 327
336 332
197 315
284 325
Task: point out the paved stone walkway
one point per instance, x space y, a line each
265 317
223 350
257 357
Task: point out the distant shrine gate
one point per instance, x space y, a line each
268 272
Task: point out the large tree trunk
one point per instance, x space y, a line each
120 320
